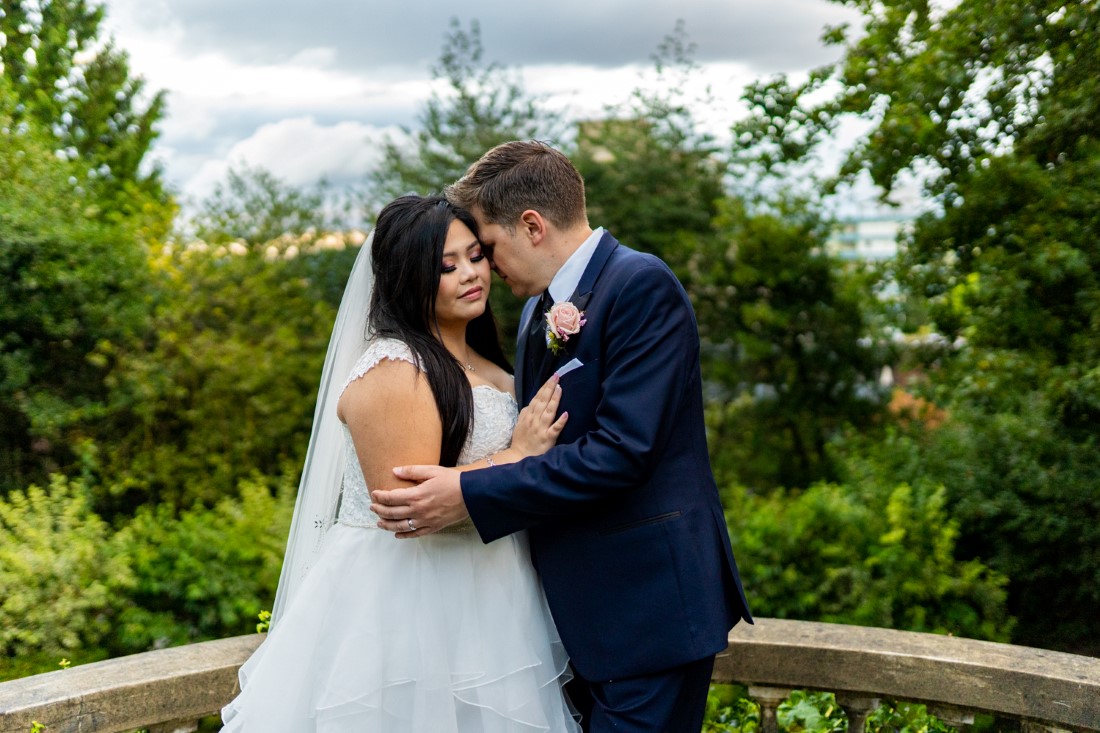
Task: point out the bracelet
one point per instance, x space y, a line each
489 460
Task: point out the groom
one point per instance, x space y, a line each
625 526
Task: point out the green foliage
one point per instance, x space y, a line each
994 105
227 382
79 90
651 177
729 710
943 88
485 104
1012 272
70 586
1015 265
72 290
1025 499
63 578
868 554
255 207
904 717
811 711
206 573
784 330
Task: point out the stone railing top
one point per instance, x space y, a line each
139 691
187 683
1016 681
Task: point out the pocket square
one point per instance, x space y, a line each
568 367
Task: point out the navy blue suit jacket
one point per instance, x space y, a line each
625 525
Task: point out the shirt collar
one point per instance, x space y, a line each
569 276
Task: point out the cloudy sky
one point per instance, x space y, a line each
307 89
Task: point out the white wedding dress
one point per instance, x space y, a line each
441 634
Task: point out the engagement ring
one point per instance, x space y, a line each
412 527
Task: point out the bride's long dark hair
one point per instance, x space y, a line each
407 259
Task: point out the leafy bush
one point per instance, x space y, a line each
729 710
905 717
63 579
811 711
70 587
1025 500
227 382
870 554
208 572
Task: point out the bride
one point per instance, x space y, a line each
442 634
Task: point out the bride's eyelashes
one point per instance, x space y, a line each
451 268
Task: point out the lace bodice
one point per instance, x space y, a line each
494 419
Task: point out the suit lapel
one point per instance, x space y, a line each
603 252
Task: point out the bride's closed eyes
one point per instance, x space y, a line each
474 253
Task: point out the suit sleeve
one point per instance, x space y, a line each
651 358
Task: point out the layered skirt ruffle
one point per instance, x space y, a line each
441 634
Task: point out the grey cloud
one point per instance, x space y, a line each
767 35
232 125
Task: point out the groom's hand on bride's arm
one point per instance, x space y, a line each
434 503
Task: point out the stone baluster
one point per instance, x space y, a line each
857 708
769 699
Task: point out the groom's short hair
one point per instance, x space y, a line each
521 175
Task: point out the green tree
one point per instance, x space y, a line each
789 341
255 207
651 176
944 88
226 382
72 290
995 104
485 104
1023 497
79 90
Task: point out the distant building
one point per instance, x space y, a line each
868 237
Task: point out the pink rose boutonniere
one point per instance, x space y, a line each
562 321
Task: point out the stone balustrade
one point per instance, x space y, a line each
954 677
167 691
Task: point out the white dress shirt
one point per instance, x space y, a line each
569 276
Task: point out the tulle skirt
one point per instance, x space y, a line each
442 634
